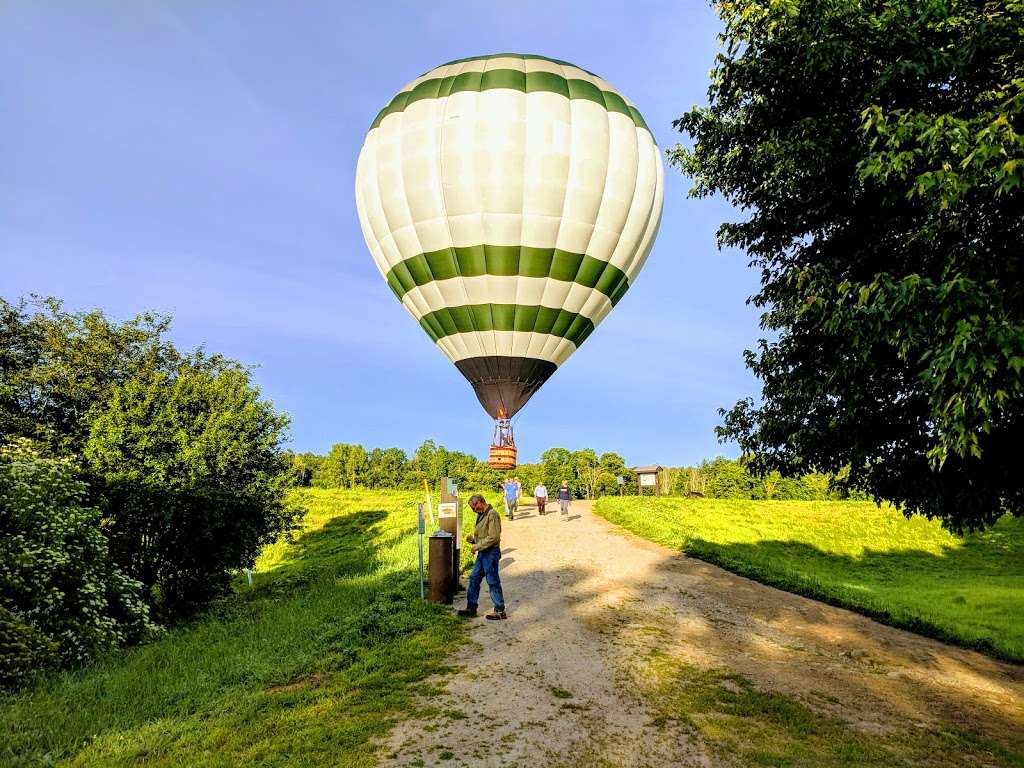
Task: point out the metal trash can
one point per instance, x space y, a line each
440 582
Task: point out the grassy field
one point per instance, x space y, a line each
302 669
909 573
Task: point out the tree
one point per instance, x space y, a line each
190 475
879 151
345 466
696 482
727 479
529 475
180 454
612 467
55 366
770 485
354 466
557 465
586 468
385 467
303 467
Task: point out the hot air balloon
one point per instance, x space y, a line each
509 201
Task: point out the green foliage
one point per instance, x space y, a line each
352 466
529 475
432 462
180 454
303 467
911 573
611 467
589 475
585 468
309 667
343 467
24 651
879 151
722 478
55 367
61 597
191 477
727 479
557 465
386 468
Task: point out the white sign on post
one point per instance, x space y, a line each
648 480
448 509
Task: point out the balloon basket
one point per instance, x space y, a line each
503 447
502 457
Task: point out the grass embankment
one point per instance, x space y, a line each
302 669
908 573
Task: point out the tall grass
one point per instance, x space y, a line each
909 573
305 668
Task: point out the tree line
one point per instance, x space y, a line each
353 466
589 475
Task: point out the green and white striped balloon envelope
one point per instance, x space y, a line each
509 201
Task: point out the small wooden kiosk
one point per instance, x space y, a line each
647 478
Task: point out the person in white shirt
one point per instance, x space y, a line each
540 493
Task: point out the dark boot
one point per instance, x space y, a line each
469 612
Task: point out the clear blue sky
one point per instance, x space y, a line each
198 159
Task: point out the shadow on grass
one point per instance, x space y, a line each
311 663
345 546
968 595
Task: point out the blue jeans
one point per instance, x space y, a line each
486 566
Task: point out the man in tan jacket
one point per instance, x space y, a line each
486 541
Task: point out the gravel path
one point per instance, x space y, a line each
552 685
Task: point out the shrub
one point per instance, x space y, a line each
60 594
191 478
727 479
24 651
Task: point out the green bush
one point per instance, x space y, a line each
180 453
24 651
727 479
191 479
60 593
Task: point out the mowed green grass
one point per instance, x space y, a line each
303 669
909 573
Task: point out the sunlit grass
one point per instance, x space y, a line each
305 668
911 573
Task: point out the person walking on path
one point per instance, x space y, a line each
564 497
512 493
540 493
486 541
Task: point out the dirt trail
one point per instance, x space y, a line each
586 599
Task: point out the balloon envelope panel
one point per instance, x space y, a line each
509 201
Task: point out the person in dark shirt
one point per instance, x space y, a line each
564 497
